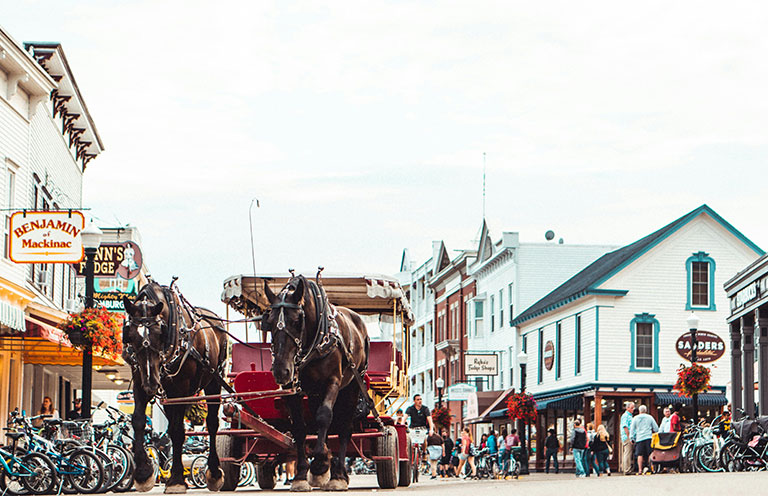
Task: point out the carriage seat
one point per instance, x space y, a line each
380 362
243 356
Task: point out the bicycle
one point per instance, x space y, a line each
30 472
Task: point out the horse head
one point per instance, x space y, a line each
285 317
143 337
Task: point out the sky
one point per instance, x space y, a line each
361 126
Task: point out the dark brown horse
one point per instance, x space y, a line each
174 350
315 347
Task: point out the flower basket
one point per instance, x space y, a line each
441 417
692 380
97 328
522 406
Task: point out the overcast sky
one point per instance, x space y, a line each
361 126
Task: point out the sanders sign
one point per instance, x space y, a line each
46 237
709 346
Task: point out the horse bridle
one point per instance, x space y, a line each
280 326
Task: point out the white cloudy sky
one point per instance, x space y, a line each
361 125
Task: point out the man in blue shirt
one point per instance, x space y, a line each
626 442
641 431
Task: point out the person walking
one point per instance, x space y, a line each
578 443
435 452
464 453
446 469
590 461
493 448
600 449
503 450
666 421
641 430
626 443
510 442
675 425
552 446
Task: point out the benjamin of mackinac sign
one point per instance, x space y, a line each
46 237
481 364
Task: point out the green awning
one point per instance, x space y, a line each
12 317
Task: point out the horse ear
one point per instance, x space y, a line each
298 293
130 308
270 295
155 310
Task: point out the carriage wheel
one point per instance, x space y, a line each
387 470
408 471
225 448
266 475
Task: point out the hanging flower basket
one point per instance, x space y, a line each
692 380
97 327
441 417
522 406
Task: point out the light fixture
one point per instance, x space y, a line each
91 236
693 321
439 383
119 381
97 367
111 377
522 358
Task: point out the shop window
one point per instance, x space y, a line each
644 330
700 282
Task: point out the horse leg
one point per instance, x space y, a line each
144 479
320 466
342 420
299 431
214 476
176 484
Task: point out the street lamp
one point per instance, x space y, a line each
522 359
91 237
693 326
439 384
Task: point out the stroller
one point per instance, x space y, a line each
666 450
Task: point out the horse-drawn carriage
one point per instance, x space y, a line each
261 412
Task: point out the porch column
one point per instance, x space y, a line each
748 345
761 316
598 409
736 381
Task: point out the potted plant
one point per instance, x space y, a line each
441 417
522 406
692 380
97 328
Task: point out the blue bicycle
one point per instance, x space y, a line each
24 473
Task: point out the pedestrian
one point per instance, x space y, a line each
641 431
399 417
290 471
578 443
666 421
445 463
77 411
675 424
465 455
626 442
493 449
552 446
434 451
601 449
46 411
510 441
590 461
503 450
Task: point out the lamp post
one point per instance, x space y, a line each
522 359
693 326
91 237
439 384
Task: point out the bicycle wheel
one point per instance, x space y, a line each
705 455
119 460
88 472
154 458
127 482
731 457
197 471
43 478
10 484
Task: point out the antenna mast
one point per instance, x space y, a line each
483 185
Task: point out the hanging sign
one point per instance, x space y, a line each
45 237
113 301
476 364
460 392
123 259
549 355
709 346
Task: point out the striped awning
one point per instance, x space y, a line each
12 317
705 399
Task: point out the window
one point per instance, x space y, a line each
525 344
493 313
541 354
9 203
467 317
701 282
558 345
644 331
479 305
577 345
501 308
510 300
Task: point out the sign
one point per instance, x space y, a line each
45 237
549 355
473 410
709 346
460 392
475 364
123 259
113 301
744 295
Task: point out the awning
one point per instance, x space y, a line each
562 402
490 404
11 317
705 399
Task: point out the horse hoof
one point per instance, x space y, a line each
214 484
300 486
336 485
176 489
145 486
319 480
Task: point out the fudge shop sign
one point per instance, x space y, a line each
476 364
46 237
709 346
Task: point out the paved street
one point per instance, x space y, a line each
548 485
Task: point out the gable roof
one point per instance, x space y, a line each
587 281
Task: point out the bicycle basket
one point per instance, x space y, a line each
80 430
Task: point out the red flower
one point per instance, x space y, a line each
101 328
692 380
522 406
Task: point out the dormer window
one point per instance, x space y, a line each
700 270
